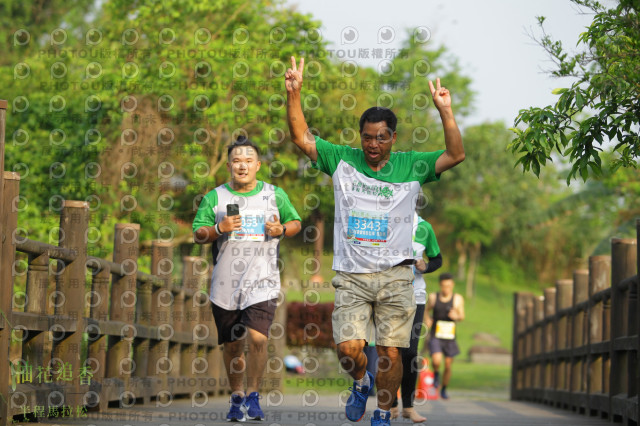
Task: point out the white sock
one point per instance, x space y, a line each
364 381
384 414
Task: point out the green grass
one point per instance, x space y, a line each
480 377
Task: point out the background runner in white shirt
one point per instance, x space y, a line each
246 278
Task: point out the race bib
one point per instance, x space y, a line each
252 227
446 330
367 229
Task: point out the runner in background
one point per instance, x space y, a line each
448 310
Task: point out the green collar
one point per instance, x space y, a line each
254 191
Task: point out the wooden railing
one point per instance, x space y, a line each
87 332
576 347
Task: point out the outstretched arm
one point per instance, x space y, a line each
300 134
454 153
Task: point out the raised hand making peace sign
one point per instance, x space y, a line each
441 96
293 76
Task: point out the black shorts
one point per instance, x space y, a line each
448 347
232 325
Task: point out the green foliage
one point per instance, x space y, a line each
133 111
405 89
31 25
484 186
602 105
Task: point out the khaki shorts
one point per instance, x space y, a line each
382 301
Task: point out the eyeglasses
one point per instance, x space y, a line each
379 138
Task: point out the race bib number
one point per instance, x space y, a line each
367 229
446 330
252 227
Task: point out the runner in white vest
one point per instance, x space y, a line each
246 278
375 197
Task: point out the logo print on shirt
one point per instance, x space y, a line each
381 191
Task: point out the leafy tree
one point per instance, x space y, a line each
168 85
602 104
28 26
405 89
474 200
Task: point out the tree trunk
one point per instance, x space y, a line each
474 257
461 248
318 245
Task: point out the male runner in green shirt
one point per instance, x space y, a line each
375 194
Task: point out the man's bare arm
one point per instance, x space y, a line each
454 150
458 308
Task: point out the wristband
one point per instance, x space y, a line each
284 229
218 229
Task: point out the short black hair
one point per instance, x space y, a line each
377 114
242 141
446 276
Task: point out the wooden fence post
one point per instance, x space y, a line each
97 358
37 284
564 297
599 280
8 222
70 292
538 312
549 334
191 282
175 347
161 301
623 265
529 373
519 302
579 325
123 302
141 345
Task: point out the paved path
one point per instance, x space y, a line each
310 409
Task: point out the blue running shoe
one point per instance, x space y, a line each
380 418
252 407
235 412
357 402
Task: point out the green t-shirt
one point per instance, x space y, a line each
427 238
373 209
424 241
402 166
